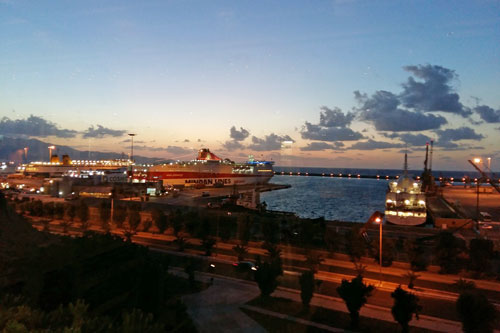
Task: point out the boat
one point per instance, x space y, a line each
207 170
405 201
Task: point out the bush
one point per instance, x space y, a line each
476 312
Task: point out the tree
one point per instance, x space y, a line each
241 251
480 254
274 254
208 243
119 216
59 210
71 211
405 305
181 242
307 284
447 251
134 220
417 255
355 294
355 244
104 214
48 209
83 214
159 220
313 260
244 230
266 277
464 285
412 276
476 312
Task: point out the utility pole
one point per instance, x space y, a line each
132 146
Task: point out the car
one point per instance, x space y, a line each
71 196
245 266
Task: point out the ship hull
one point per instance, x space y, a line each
207 179
406 221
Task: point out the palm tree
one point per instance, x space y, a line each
313 260
476 312
307 285
241 251
355 294
405 305
412 276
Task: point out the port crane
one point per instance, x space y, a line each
489 179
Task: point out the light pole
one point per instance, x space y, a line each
26 154
132 146
379 221
477 161
50 152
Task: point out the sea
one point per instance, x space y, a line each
337 198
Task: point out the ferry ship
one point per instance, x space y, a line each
405 202
207 170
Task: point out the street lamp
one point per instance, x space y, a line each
26 154
132 146
50 152
379 221
477 160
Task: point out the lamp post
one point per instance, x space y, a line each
477 161
379 221
50 152
132 146
26 154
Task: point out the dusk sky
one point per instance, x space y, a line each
351 83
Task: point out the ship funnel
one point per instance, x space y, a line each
205 155
66 160
54 159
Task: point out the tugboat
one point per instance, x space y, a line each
405 201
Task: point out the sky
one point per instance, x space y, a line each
304 83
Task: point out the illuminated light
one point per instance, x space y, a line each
394 183
463 179
477 160
42 189
331 175
451 178
359 176
415 184
340 175
389 201
60 193
398 191
349 175
421 202
407 202
322 174
378 176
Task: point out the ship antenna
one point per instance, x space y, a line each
406 161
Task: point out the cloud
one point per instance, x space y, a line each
383 111
331 134
270 142
320 146
34 126
333 126
101 131
240 135
335 117
231 145
176 150
372 144
488 114
457 134
434 93
418 140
